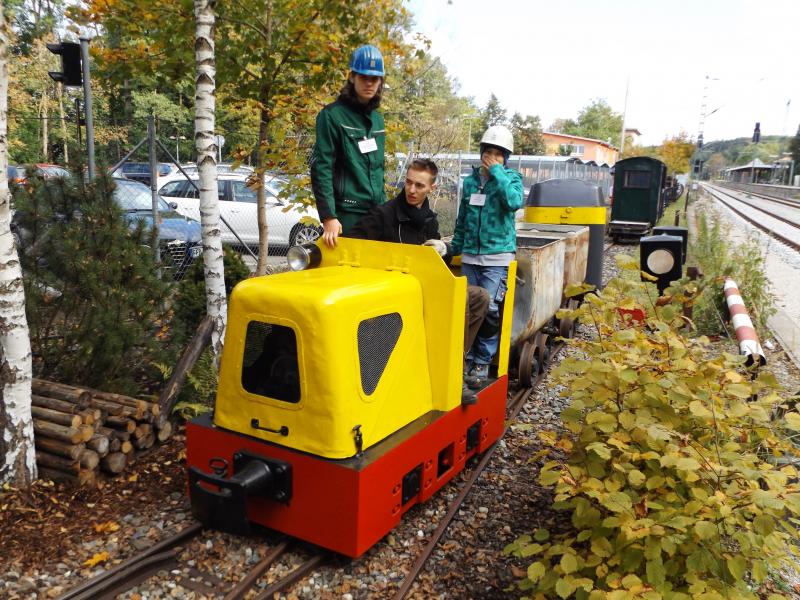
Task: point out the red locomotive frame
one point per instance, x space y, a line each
349 505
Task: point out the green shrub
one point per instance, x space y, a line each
93 295
718 259
671 475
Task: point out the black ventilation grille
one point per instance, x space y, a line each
377 338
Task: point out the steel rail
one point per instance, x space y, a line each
766 212
161 552
784 201
789 242
292 577
240 589
778 199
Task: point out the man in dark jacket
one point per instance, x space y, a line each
408 219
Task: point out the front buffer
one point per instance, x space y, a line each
343 505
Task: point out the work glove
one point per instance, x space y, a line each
437 245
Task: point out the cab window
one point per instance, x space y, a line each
637 179
269 364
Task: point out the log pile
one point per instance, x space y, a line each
80 431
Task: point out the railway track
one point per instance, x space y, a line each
790 236
777 200
173 555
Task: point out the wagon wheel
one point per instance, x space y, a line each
528 364
544 346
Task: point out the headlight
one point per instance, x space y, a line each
304 257
660 261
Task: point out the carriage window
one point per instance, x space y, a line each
269 365
637 179
377 337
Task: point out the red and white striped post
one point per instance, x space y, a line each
742 325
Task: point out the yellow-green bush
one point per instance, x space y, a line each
669 476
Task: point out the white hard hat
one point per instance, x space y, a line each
500 136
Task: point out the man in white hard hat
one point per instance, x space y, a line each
486 238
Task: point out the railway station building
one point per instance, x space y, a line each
756 171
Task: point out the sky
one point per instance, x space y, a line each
553 58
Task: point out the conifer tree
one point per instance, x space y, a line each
95 299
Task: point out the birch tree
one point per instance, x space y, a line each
16 442
204 115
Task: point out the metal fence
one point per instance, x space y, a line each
169 189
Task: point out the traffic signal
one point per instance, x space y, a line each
757 133
699 141
661 256
697 166
71 73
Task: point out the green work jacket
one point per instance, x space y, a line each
347 182
488 229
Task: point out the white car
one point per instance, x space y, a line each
237 207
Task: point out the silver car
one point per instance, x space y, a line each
287 225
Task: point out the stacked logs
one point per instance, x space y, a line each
78 431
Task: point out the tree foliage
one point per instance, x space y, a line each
596 120
492 114
527 134
676 151
282 59
432 117
675 478
32 21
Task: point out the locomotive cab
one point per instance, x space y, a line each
314 360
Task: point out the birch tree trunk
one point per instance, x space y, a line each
205 103
16 442
261 148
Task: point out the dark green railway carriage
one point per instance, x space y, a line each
638 199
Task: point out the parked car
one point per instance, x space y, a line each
237 205
179 236
140 171
19 174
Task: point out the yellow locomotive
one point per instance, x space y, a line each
339 399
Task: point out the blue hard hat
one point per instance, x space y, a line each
367 60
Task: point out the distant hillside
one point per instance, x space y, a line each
742 150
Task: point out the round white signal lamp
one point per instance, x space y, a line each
660 261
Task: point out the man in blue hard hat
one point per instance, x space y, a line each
348 157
